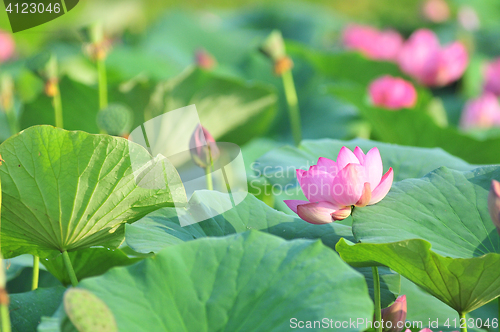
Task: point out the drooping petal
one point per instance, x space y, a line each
373 167
316 185
359 154
345 157
383 188
292 204
342 213
348 184
328 166
319 213
366 195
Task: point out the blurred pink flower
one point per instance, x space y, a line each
494 203
423 58
396 314
7 46
436 11
492 77
392 93
204 59
375 44
483 112
332 187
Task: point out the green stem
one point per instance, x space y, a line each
376 296
12 120
462 319
103 84
208 177
4 315
69 268
293 106
36 272
58 114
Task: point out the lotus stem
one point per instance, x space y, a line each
293 105
103 83
5 316
462 319
36 272
208 177
12 120
58 113
69 268
376 298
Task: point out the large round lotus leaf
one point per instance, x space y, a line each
244 282
68 190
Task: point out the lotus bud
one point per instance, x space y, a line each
274 48
494 203
283 65
203 148
392 93
4 297
204 59
51 87
99 47
395 314
6 92
7 46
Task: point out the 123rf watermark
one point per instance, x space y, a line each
362 323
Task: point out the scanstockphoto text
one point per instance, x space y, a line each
362 323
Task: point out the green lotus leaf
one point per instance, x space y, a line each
69 190
243 282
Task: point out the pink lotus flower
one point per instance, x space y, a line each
375 44
392 93
423 58
395 314
7 46
494 203
492 77
483 112
436 11
333 187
